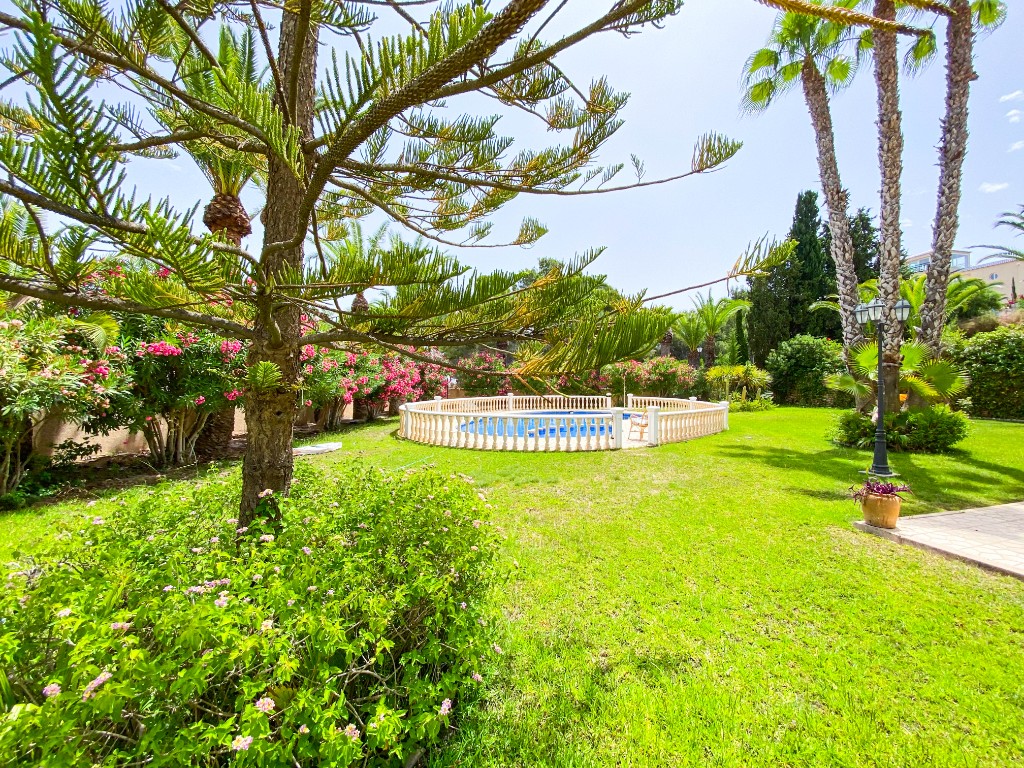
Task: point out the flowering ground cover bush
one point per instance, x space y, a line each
155 632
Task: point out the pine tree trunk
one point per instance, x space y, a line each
890 161
816 95
959 74
270 414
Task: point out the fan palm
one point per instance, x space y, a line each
922 376
812 52
689 327
714 314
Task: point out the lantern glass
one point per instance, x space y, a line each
902 310
861 313
875 311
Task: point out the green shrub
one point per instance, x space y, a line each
148 636
799 368
995 363
757 404
922 430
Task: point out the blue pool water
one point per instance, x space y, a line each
541 424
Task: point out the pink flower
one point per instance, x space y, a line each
265 705
53 689
267 538
97 521
309 403
311 588
214 539
303 729
265 493
307 551
497 649
241 743
267 625
163 273
121 626
243 529
200 400
477 677
90 689
168 588
446 708
351 731
221 602
64 612
477 523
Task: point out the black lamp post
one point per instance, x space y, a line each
872 313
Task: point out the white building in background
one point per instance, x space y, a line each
1006 272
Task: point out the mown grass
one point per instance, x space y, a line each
709 604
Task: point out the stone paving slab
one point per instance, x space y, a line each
991 537
313 450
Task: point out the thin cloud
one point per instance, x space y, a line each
1014 115
1015 96
989 187
1016 146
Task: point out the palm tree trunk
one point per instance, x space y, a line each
270 413
816 95
959 74
890 161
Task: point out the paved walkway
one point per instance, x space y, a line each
992 537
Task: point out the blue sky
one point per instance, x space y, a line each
685 81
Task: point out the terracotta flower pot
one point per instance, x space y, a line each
881 511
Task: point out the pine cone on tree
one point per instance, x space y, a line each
225 213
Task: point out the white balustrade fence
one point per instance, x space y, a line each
528 423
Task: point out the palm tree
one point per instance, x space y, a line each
959 293
922 376
961 18
689 327
810 51
883 46
714 314
228 171
1014 221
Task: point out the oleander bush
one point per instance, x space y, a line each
799 369
935 429
156 633
994 362
653 377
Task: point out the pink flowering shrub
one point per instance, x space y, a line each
179 377
654 377
485 382
332 379
44 368
160 635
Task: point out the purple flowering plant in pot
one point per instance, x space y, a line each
880 502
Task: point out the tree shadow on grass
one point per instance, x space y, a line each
933 490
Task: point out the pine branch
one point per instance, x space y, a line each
111 304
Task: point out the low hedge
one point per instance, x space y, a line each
156 633
935 429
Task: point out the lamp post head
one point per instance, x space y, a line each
902 310
875 310
861 313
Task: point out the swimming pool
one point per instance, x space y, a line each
558 422
543 424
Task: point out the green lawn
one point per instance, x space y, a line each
708 603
